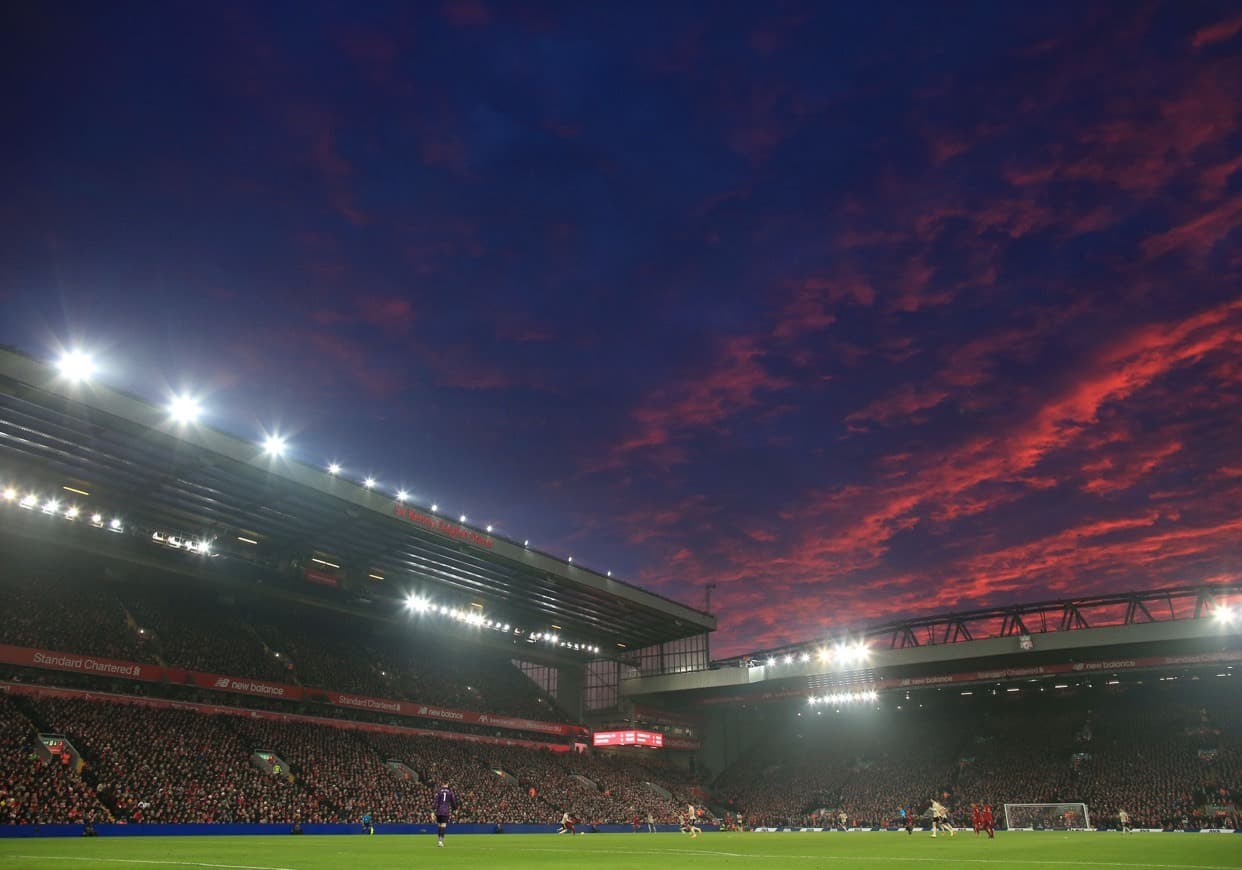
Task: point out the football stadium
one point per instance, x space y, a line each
204 636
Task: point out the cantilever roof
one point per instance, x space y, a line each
201 478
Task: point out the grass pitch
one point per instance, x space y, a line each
794 851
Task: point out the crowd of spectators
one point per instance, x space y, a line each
260 639
194 633
1170 765
74 616
37 788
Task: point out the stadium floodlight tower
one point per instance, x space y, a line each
1047 817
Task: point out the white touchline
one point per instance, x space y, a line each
879 859
147 861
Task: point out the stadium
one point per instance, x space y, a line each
202 635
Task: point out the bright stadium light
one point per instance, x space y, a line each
29 501
526 543
608 574
570 560
1224 614
50 506
824 654
274 445
417 603
789 660
97 519
806 657
72 513
489 530
9 493
462 518
115 525
184 410
76 366
369 483
402 495
334 468
434 508
771 660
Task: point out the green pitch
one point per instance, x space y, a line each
1023 851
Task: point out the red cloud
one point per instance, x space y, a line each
1221 31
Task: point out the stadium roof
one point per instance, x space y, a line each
132 458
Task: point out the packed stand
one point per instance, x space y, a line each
199 635
175 766
35 788
55 613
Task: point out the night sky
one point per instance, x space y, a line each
857 310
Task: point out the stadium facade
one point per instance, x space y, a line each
98 481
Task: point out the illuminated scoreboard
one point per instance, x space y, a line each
652 739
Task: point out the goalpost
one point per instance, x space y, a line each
1047 817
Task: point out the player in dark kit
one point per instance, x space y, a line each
445 804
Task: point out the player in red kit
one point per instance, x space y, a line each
976 818
986 819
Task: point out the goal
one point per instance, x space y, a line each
1047 817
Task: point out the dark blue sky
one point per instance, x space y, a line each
859 311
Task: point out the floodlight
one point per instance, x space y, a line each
489 530
570 560
417 603
334 468
369 483
72 513
1224 614
434 508
204 547
184 409
462 518
824 654
789 660
97 519
402 495
50 505
609 574
115 525
274 445
10 493
771 660
806 657
526 543
76 366
29 501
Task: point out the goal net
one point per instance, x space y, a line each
1047 817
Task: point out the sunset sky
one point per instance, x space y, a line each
857 310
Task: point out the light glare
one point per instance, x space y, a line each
76 366
274 445
184 410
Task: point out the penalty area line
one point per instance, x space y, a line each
151 861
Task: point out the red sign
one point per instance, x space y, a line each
654 739
441 526
82 664
322 578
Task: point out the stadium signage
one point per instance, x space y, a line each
61 661
441 526
58 661
654 739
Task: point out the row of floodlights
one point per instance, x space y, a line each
476 618
841 654
185 410
838 698
52 507
177 542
